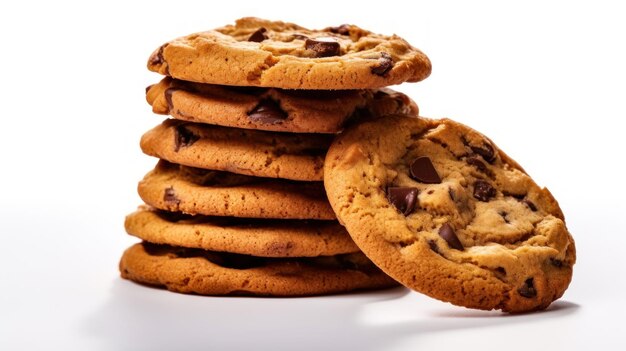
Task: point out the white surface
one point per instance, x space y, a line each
545 81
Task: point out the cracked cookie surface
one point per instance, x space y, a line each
210 273
441 209
243 151
294 111
189 190
257 52
256 237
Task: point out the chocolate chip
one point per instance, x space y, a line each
168 98
403 198
447 233
474 161
503 214
157 57
343 29
486 151
169 196
183 137
385 62
556 262
483 191
528 289
530 205
259 35
501 270
422 170
323 47
268 112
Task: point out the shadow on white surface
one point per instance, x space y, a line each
141 318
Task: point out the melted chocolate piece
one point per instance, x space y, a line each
183 137
343 29
267 112
169 196
447 233
385 63
483 191
530 205
486 151
323 47
422 170
474 161
403 198
259 35
168 98
528 289
157 59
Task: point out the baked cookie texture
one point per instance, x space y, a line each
242 151
293 111
258 52
177 188
261 238
210 273
437 206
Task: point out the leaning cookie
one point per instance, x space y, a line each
293 111
257 52
209 273
176 188
441 209
256 237
251 152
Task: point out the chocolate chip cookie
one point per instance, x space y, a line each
177 188
210 273
243 151
441 209
294 111
257 52
256 237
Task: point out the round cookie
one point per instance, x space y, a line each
243 151
257 52
441 209
209 273
176 188
256 237
294 111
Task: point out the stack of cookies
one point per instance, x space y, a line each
236 203
279 134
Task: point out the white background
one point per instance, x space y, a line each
545 80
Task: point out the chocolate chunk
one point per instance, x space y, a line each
486 151
267 112
259 35
503 214
422 170
483 191
447 233
501 270
343 29
169 196
323 47
403 198
168 98
530 205
183 137
385 62
528 289
157 57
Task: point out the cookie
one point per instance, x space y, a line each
243 151
176 188
441 209
210 273
294 111
256 237
257 52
